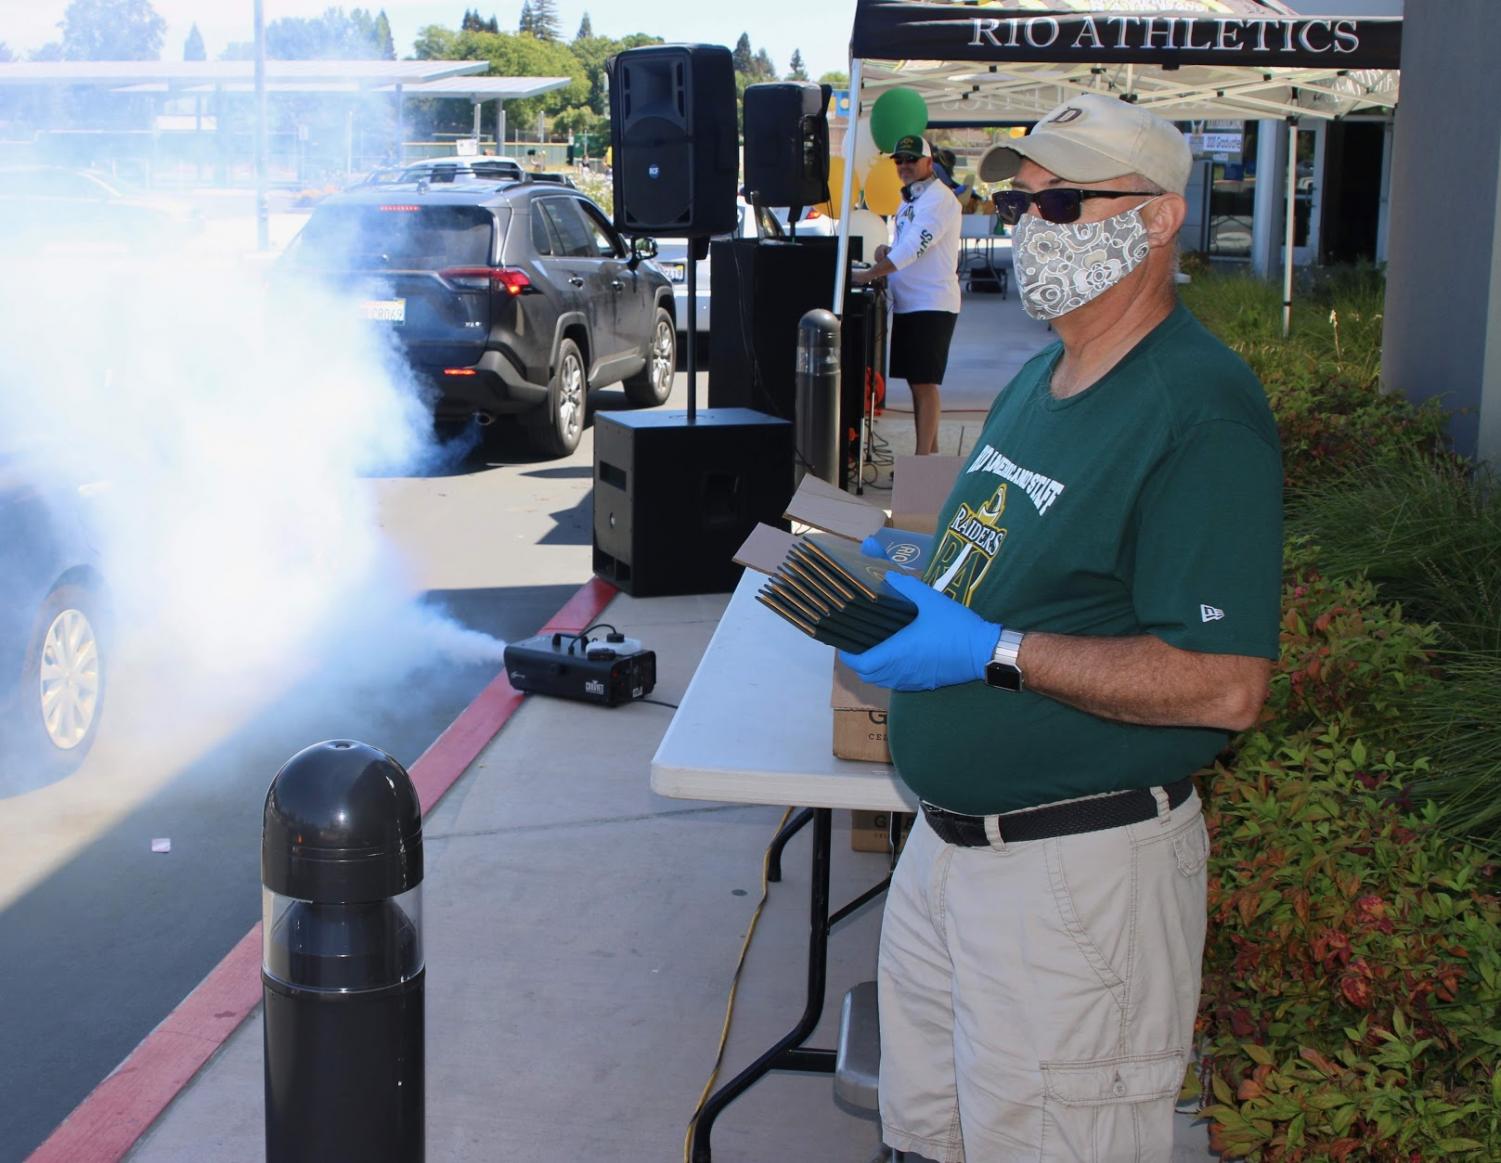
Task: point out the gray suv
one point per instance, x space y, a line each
508 297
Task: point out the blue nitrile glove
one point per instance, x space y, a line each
946 643
872 547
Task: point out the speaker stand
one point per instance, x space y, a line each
698 248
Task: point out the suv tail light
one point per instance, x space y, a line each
508 279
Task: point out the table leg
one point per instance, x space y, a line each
779 841
786 1055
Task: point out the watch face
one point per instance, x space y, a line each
1007 678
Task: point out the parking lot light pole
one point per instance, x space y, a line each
262 215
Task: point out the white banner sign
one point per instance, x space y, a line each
1216 142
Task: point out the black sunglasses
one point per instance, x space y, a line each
1056 203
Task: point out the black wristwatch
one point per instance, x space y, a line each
1002 671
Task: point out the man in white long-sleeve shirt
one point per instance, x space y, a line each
921 271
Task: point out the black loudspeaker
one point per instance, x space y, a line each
674 140
759 291
787 144
673 501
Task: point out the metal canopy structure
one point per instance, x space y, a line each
1010 61
179 75
1188 59
467 88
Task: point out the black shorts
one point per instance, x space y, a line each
920 345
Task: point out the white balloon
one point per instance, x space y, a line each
870 228
866 152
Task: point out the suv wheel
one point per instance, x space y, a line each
557 426
653 383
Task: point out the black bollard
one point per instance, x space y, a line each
818 351
341 964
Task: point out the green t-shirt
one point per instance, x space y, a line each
1150 503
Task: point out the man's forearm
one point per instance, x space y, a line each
1142 679
878 270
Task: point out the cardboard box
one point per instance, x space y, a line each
859 717
920 485
871 831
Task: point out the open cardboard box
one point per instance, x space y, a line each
920 485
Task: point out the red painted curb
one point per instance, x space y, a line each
107 1124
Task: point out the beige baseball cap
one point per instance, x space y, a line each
1091 138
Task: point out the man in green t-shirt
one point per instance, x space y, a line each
1099 614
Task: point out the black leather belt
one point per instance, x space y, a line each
1066 819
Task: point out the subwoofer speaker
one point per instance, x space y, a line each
787 144
673 501
674 140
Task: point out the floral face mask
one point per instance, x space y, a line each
1060 266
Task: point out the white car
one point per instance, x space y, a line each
672 257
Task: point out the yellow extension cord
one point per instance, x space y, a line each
729 1009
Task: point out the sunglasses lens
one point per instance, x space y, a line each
1059 205
1011 205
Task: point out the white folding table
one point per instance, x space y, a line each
755 727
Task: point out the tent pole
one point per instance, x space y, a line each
847 197
1287 257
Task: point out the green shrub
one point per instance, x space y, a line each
1323 381
1457 722
1352 975
1344 654
1425 528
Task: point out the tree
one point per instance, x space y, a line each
835 80
745 62
112 30
545 19
527 24
192 48
510 55
592 52
383 39
355 36
5 54
797 71
586 30
473 22
763 69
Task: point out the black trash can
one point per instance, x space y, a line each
342 966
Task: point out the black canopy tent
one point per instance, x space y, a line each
1006 61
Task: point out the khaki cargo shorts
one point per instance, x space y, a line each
1037 999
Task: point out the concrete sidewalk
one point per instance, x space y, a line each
582 933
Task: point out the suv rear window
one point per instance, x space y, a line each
396 236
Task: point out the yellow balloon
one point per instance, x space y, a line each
883 188
836 189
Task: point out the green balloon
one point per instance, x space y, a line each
895 114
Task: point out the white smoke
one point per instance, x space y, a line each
233 421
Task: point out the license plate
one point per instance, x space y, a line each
676 271
384 310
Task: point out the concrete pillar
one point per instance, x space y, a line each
1443 289
1270 198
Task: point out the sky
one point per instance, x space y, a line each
821 31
